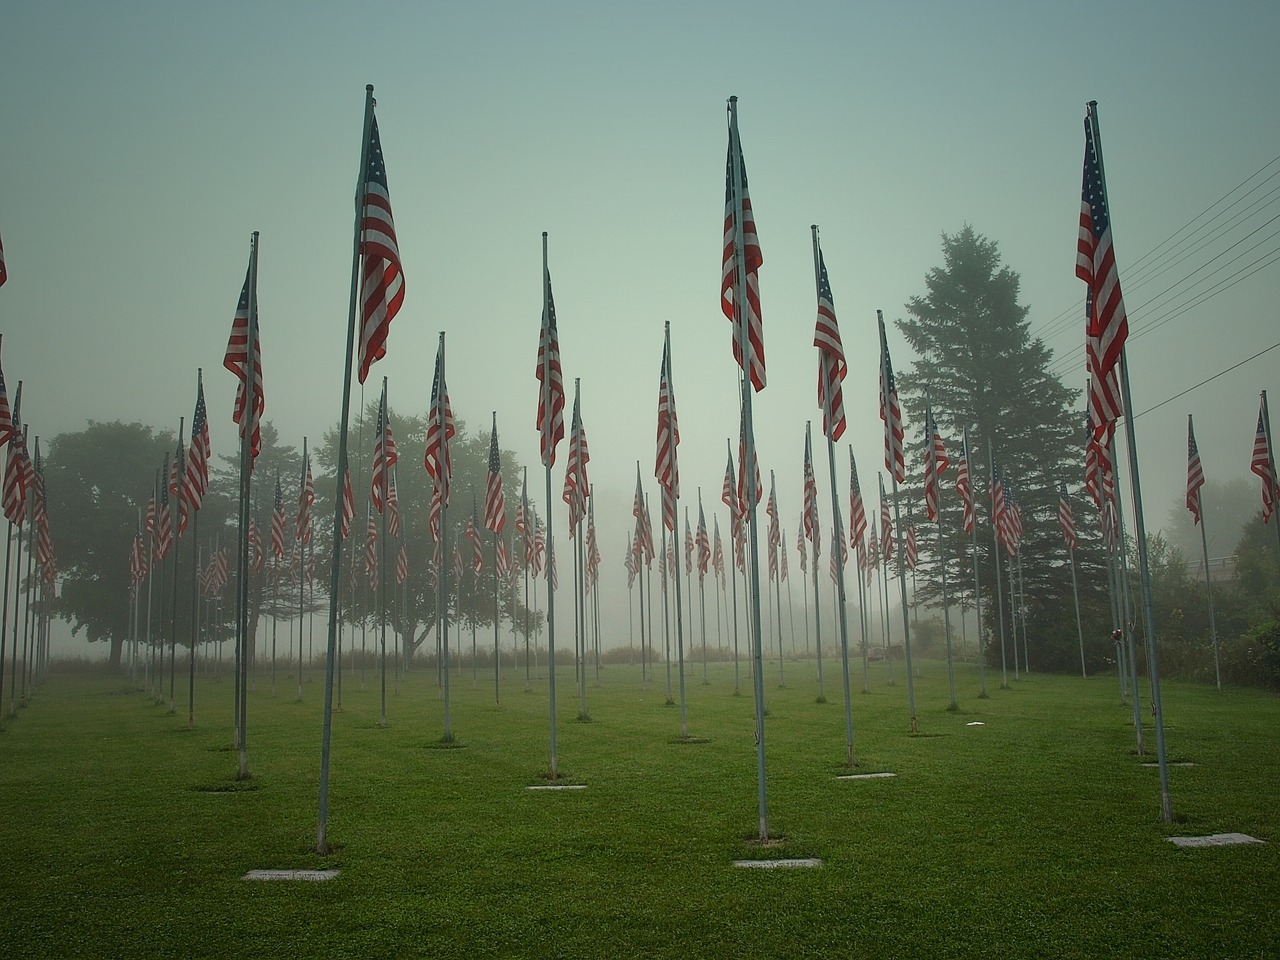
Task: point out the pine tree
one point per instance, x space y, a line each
980 367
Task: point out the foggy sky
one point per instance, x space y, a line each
144 142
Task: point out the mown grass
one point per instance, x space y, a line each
123 833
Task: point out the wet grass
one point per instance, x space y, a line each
1037 833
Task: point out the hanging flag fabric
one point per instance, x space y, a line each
1106 324
550 380
370 547
1195 473
473 534
802 548
381 279
747 496
495 504
236 360
886 525
890 411
1263 466
935 462
440 430
746 260
857 510
539 549
717 551
644 533
4 271
393 507
384 455
666 468
278 522
998 506
912 550
831 363
348 504
402 564
964 488
1066 518
809 514
177 486
576 486
197 480
164 519
704 545
688 545
306 497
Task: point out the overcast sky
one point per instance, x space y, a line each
144 142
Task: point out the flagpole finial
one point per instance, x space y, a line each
544 234
813 227
733 99
368 88
1091 104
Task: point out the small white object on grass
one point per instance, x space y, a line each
1214 840
864 776
558 786
290 875
778 864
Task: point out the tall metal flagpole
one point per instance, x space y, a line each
322 843
195 611
817 536
179 470
672 493
1204 545
1166 804
548 457
246 472
977 588
749 454
382 550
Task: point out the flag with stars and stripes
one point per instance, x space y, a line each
381 279
742 259
831 363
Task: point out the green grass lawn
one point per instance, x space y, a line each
123 833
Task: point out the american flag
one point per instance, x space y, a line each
197 482
717 550
782 561
839 555
704 544
473 534
256 557
666 468
746 260
550 379
886 525
890 411
495 504
40 519
831 362
137 562
998 506
503 558
4 271
7 427
370 547
802 549
728 489
381 282
576 486
539 549
393 507
277 522
1107 324
1195 473
593 548
873 553
1066 518
164 520
402 564
306 497
629 562
857 510
809 516
237 361
384 453
935 462
913 551
15 476
348 503
964 486
553 578
775 532
644 533
177 485
1262 464
688 544
440 430
459 565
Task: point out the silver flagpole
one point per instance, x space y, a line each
977 588
1208 579
248 422
322 842
548 455
753 561
675 507
1148 616
382 551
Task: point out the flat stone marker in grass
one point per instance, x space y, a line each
788 864
1180 763
1214 840
975 723
312 875
864 776
558 786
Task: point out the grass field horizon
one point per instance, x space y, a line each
1036 833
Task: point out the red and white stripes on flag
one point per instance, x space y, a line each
277 522
935 462
890 411
717 550
964 486
370 547
577 488
1195 473
381 279
402 564
1107 326
666 468
473 534
857 510
802 548
831 363
164 519
15 475
704 544
440 430
393 507
742 260
495 503
550 378
1263 464
809 513
384 453
348 504
747 496
197 479
643 538
137 562
236 360
910 546
1066 519
306 497
886 525
7 426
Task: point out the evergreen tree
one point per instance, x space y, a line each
980 368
